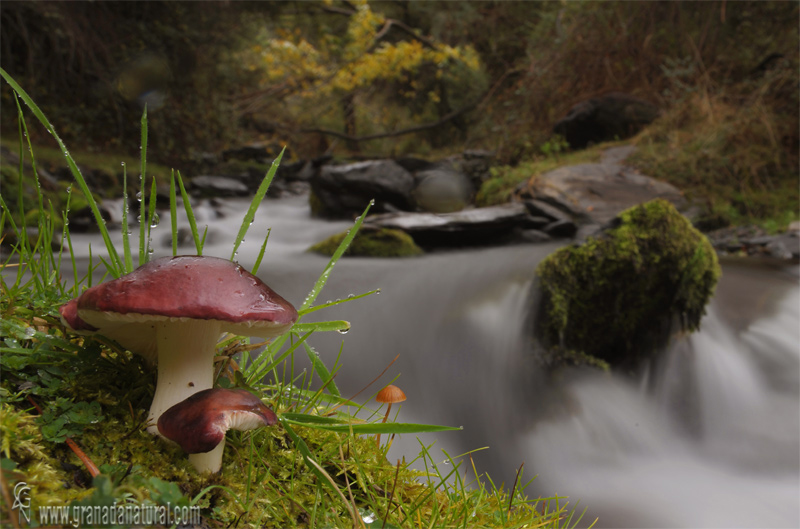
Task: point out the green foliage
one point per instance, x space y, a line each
652 268
372 243
735 153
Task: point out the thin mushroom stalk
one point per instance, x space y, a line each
388 395
385 417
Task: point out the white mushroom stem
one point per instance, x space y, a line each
186 351
209 461
212 461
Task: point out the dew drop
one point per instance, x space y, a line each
377 291
30 332
351 296
369 517
343 331
155 220
139 196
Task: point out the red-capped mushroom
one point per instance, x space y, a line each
199 423
173 310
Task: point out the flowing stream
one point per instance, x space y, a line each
707 437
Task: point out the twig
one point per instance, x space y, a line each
88 463
368 385
425 126
12 514
391 495
513 488
352 505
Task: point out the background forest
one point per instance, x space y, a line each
358 79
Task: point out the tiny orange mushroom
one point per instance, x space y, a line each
389 395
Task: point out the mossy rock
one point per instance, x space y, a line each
617 296
372 243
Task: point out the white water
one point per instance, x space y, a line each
708 438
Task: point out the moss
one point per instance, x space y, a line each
372 243
616 297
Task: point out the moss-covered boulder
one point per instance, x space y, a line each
372 243
618 296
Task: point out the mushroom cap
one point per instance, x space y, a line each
390 394
198 424
190 286
70 318
179 289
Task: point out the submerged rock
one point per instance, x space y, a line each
442 190
617 296
371 242
218 186
468 227
345 190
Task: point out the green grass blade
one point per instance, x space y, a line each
141 194
311 421
173 213
323 278
322 370
126 241
258 369
304 451
337 302
152 220
187 205
257 199
115 263
260 256
340 326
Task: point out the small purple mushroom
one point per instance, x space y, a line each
199 423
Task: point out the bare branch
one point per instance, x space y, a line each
425 126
